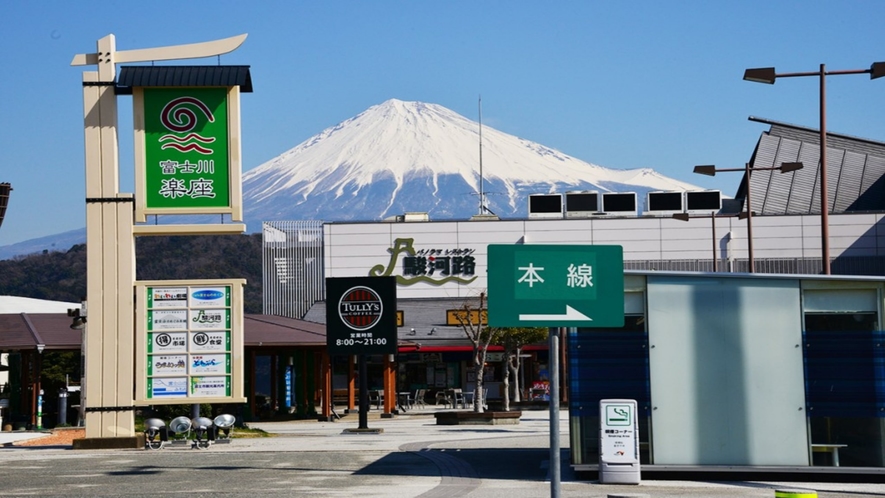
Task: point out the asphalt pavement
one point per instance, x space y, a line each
409 456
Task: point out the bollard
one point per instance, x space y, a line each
40 410
62 407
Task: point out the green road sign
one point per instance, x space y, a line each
556 286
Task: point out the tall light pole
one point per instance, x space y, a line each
712 216
769 75
711 170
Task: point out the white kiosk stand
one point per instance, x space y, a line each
618 442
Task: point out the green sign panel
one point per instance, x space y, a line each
186 148
556 286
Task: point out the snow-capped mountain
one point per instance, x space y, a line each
399 157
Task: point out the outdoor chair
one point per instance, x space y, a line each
419 398
457 398
376 398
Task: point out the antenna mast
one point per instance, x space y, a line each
482 197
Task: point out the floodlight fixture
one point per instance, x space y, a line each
180 425
761 75
153 428
79 321
705 169
787 167
203 428
225 422
681 216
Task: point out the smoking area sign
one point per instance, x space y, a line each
535 285
189 346
618 442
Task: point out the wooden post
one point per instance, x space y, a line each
351 384
389 394
327 387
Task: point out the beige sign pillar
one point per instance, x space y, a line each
110 257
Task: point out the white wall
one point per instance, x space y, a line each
353 249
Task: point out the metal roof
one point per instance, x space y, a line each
183 76
855 169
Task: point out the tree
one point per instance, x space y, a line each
480 337
513 339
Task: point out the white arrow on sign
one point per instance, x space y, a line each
570 314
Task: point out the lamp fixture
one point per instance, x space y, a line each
769 75
154 427
225 423
78 315
432 331
711 170
412 331
180 425
202 427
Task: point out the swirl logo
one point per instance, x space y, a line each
180 116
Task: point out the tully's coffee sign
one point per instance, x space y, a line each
360 308
361 316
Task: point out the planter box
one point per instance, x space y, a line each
472 418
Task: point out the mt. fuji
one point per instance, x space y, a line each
400 157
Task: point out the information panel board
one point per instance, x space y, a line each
189 345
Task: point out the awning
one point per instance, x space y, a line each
52 331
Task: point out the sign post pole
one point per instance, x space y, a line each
364 393
536 285
554 413
361 320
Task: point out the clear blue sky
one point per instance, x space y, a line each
621 84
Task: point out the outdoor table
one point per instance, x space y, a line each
402 400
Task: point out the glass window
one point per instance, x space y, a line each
605 364
845 384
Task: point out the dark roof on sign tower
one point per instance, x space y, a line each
855 168
183 76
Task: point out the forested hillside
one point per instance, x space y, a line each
61 276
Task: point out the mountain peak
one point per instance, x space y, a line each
401 156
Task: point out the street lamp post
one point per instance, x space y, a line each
712 216
711 170
769 75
